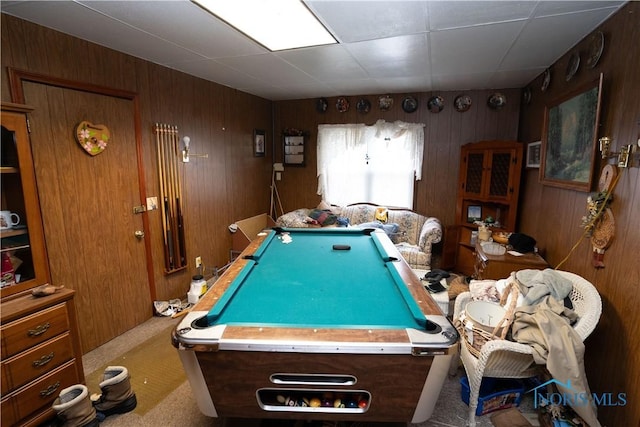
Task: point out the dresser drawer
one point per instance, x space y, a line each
30 364
34 329
7 413
41 393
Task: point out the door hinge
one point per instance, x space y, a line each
139 209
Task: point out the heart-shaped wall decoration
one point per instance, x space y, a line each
92 138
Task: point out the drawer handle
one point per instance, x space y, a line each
39 330
50 390
43 360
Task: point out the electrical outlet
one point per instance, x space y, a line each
198 262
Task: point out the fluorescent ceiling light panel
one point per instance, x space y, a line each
275 24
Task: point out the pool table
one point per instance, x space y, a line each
317 324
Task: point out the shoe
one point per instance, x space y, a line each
117 396
74 409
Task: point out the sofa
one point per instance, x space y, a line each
413 234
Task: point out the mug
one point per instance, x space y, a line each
7 220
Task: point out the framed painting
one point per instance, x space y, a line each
569 138
258 142
474 213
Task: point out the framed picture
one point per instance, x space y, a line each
569 138
259 142
474 213
294 150
533 154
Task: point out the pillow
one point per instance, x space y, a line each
382 214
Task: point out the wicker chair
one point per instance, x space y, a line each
509 359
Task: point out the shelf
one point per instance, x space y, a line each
13 232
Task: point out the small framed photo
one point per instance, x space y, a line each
474 213
533 154
259 141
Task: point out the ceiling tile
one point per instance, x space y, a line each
326 63
473 49
353 21
458 14
182 23
392 57
540 44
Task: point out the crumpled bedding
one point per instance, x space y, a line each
536 284
546 327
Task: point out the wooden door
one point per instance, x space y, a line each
87 208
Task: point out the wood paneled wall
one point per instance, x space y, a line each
445 132
230 185
553 215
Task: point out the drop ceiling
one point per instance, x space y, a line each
384 46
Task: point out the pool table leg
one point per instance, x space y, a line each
197 383
431 389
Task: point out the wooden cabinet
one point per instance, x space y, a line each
41 353
24 243
489 184
496 267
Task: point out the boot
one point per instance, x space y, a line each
117 396
74 409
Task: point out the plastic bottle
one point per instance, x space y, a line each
197 289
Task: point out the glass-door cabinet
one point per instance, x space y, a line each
24 258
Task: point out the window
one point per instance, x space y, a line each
375 164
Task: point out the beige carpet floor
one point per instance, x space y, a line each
175 405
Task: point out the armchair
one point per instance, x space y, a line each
509 359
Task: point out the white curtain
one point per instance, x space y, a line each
376 164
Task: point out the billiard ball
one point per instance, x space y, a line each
352 404
338 403
362 403
314 402
303 402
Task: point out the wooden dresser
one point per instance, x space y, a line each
41 353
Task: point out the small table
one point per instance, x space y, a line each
501 266
334 314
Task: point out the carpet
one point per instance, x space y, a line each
154 367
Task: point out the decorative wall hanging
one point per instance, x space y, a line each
462 103
385 103
294 150
409 104
546 79
596 46
497 100
435 104
569 138
321 105
259 142
363 106
342 104
573 65
533 154
92 138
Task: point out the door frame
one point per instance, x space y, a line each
16 79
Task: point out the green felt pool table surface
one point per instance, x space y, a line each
336 277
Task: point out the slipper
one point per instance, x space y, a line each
435 273
435 287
